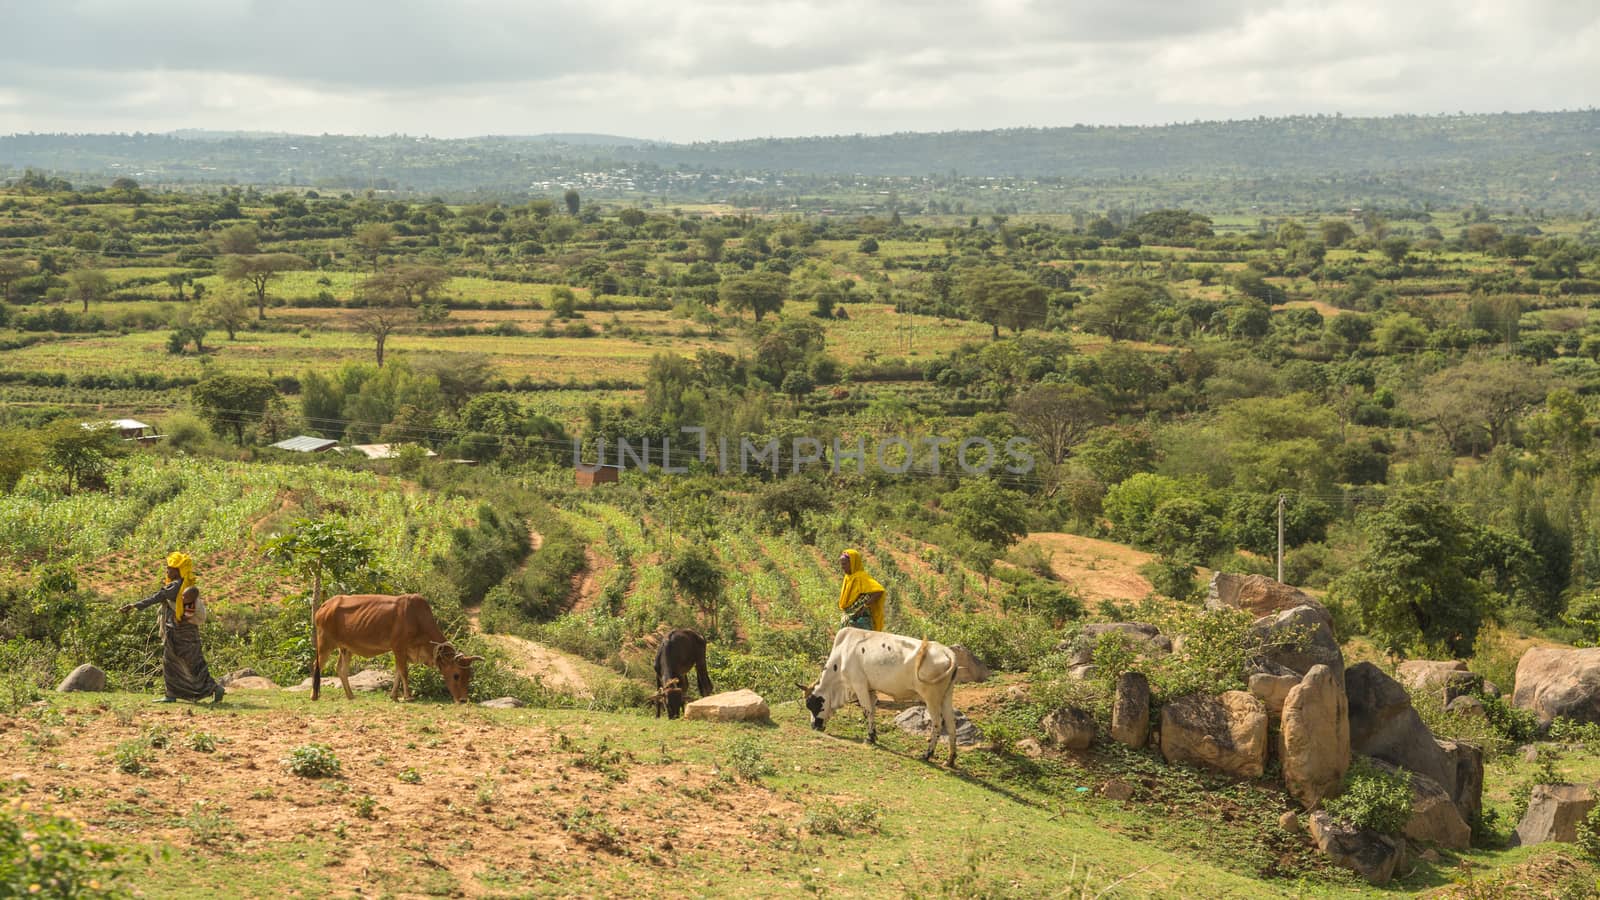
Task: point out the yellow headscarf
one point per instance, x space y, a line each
855 584
185 566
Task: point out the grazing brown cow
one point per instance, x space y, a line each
373 624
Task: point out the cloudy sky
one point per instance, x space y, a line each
721 69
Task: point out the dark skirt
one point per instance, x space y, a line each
184 666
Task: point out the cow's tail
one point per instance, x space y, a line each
316 660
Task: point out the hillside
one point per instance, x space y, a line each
1534 159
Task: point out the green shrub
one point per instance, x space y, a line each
1544 772
748 759
312 761
410 775
133 756
41 855
852 820
1589 834
1373 798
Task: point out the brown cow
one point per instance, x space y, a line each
373 624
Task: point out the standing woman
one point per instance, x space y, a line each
860 595
183 666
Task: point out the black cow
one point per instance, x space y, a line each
680 651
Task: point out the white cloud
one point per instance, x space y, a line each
700 69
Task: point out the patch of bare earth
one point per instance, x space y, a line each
493 792
532 659
1099 570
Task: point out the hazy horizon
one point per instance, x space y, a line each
718 70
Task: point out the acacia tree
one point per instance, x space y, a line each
233 401
1000 297
391 299
87 285
239 240
12 269
226 310
371 239
258 271
82 454
759 292
1057 416
1120 311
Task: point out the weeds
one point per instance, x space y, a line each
206 823
747 758
861 817
133 756
591 828
312 761
365 806
203 742
410 776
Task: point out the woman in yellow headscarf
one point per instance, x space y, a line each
183 665
860 595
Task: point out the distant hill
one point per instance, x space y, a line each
1534 159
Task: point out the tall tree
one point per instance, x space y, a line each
391 297
82 454
371 239
1121 311
760 292
572 201
12 270
227 310
239 240
1057 416
258 271
87 285
230 402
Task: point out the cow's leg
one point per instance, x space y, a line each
402 678
344 673
950 721
869 702
935 726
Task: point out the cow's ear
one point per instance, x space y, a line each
468 660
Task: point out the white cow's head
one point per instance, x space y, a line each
824 698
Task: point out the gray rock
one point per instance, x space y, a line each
1084 673
1069 728
1384 725
252 683
83 678
1118 790
228 679
1467 790
503 703
1147 640
1369 854
916 721
1490 689
1296 639
1467 706
1030 747
1130 711
1434 816
969 668
1554 811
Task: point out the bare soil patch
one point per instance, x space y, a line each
1099 570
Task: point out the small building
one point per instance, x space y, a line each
383 451
589 476
130 429
305 443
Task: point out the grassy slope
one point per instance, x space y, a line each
554 825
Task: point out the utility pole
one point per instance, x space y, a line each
1280 537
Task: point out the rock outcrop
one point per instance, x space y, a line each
1257 595
1315 738
1554 682
1384 725
1296 639
1226 733
1272 690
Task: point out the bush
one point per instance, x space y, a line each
1373 798
44 856
312 761
747 758
1589 834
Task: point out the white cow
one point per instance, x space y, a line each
863 662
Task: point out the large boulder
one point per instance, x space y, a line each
969 668
1257 595
1554 811
917 721
730 706
228 679
1130 710
1467 789
1272 690
1296 639
1226 733
1369 854
83 678
1434 816
1315 738
1384 725
503 703
1555 682
1069 728
1146 639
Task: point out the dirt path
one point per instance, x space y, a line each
586 584
532 659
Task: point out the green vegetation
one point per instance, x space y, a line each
1373 798
312 761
